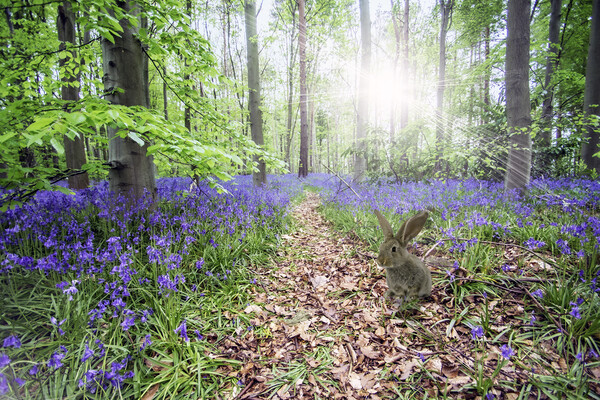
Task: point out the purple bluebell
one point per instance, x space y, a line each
12 341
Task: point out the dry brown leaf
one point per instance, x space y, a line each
434 364
319 281
460 380
149 395
405 368
355 380
253 308
368 381
370 352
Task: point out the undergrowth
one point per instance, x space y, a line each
518 272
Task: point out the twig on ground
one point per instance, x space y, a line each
342 179
498 244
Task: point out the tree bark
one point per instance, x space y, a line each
551 65
405 63
187 111
259 177
303 165
362 118
518 106
446 13
290 81
125 82
591 101
486 78
74 148
398 39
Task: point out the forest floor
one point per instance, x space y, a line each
322 329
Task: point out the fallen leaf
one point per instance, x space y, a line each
355 381
370 352
405 368
149 395
319 281
434 364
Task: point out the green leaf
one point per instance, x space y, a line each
136 138
7 136
75 118
31 139
63 189
41 123
57 146
114 114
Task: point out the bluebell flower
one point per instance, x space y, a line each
507 352
12 341
477 332
4 360
33 370
575 310
182 331
4 388
147 342
87 353
128 322
533 244
563 245
55 360
71 290
146 314
538 293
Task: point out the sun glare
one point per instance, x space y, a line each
387 89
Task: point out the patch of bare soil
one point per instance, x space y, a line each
323 330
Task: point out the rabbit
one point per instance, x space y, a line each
407 276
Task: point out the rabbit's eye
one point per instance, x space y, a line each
394 249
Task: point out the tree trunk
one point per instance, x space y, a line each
405 63
518 106
551 64
74 148
259 177
486 78
131 169
591 101
303 165
398 39
187 111
289 134
362 118
446 13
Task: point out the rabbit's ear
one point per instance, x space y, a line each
385 225
411 228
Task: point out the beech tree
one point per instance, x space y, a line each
591 103
259 176
74 148
446 8
362 115
303 166
518 106
125 83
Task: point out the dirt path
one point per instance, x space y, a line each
323 330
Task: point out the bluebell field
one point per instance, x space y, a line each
90 285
